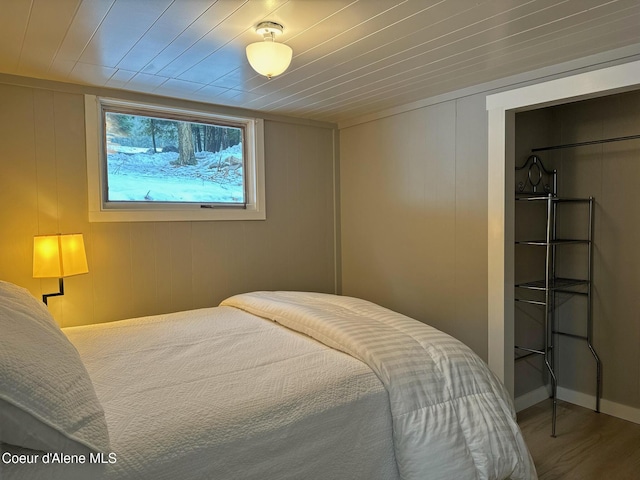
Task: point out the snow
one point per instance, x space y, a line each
137 174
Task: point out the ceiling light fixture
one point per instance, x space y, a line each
269 58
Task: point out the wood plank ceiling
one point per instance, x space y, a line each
351 57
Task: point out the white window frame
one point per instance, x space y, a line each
101 211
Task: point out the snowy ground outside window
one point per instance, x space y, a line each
138 175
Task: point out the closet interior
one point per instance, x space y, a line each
577 261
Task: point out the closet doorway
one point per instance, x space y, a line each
504 154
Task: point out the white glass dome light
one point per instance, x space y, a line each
269 58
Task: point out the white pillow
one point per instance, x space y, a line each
47 400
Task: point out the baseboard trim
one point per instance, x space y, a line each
533 397
625 412
614 409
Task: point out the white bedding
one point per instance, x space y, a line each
222 393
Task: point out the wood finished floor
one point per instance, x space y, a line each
588 445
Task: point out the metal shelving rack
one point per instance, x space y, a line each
534 190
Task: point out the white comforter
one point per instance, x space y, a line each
451 417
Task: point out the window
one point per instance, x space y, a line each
154 163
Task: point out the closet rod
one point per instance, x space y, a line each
581 144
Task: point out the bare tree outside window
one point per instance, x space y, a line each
186 152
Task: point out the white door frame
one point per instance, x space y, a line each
501 164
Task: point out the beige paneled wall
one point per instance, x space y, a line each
395 168
148 268
414 215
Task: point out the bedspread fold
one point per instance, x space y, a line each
452 417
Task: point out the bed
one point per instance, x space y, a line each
268 385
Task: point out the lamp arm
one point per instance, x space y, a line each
46 296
